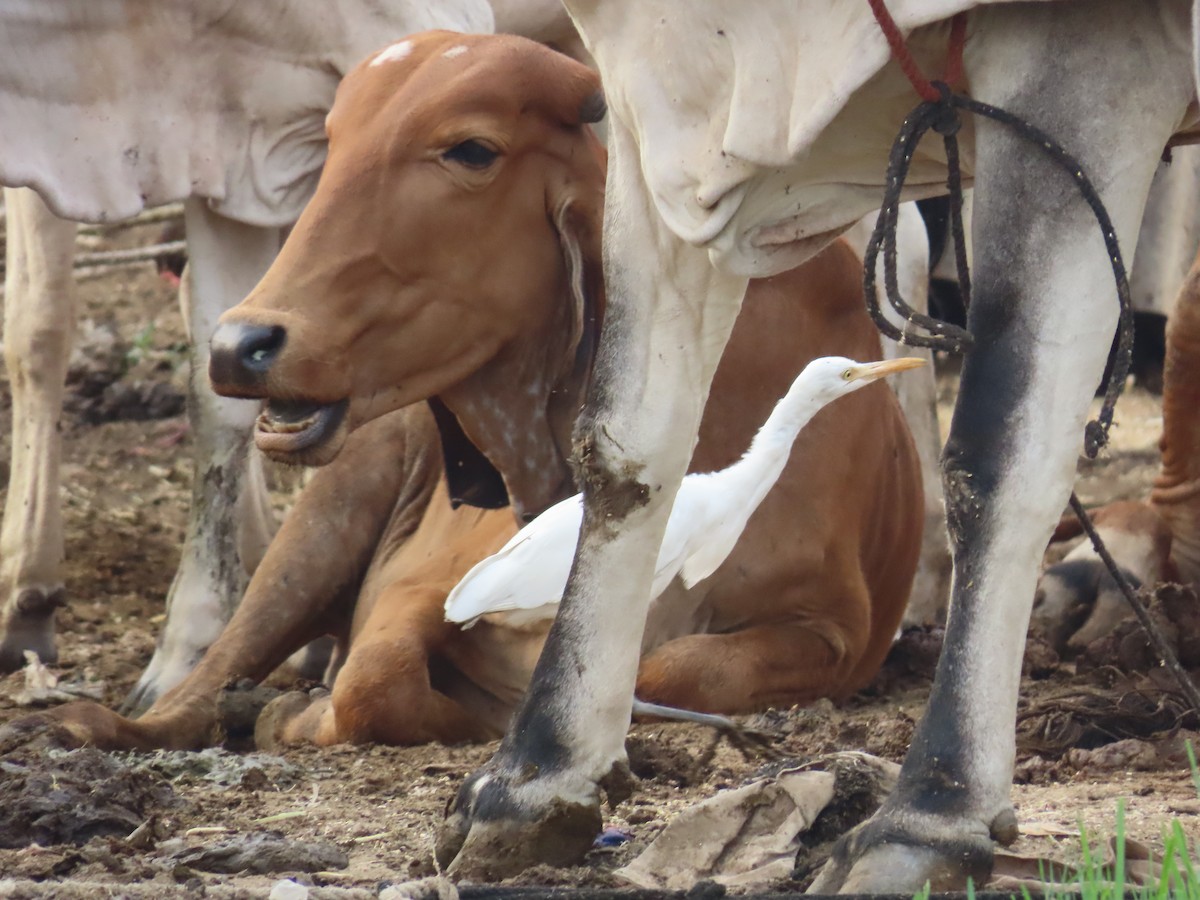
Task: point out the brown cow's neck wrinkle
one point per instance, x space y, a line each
514 429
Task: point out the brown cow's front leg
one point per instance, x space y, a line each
827 639
306 583
384 692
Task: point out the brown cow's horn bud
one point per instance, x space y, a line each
593 108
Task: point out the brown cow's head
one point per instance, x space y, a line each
451 253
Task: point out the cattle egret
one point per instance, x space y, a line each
526 578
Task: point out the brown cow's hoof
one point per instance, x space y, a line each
886 855
289 719
88 724
40 731
496 828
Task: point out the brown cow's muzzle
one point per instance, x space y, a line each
288 430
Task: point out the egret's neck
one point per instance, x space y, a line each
753 476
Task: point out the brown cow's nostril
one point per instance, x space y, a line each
242 354
259 346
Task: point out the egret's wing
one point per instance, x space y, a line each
708 519
692 517
710 550
528 572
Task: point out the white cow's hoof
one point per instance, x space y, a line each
501 824
883 855
167 668
29 626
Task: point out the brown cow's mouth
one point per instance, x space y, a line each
287 429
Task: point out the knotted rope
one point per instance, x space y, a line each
940 111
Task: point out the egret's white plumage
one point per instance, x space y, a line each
526 578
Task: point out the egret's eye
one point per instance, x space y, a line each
472 154
848 374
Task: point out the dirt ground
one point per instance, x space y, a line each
375 809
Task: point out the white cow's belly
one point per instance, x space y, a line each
763 192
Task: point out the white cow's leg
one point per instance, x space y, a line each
231 522
918 399
1042 317
538 797
39 326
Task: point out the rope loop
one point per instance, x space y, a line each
943 116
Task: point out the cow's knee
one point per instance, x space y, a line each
379 682
384 693
611 479
966 496
37 356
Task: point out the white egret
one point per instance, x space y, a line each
526 578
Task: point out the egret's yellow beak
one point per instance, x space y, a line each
876 370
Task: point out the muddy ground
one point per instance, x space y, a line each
374 810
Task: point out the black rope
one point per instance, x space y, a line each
1165 653
943 117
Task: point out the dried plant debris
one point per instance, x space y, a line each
261 853
70 797
218 767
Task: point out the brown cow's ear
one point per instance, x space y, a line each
470 476
565 88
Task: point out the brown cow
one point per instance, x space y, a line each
1153 540
412 275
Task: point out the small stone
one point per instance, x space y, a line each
288 890
438 887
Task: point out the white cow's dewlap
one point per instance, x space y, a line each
397 51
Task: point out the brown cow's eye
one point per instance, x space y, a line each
471 153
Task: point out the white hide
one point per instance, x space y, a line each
918 398
124 104
707 151
1167 242
1170 233
110 106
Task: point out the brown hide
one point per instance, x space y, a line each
804 607
1176 494
411 274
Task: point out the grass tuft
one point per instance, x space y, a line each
1175 879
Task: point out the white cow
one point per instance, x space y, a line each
110 106
743 137
1169 235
